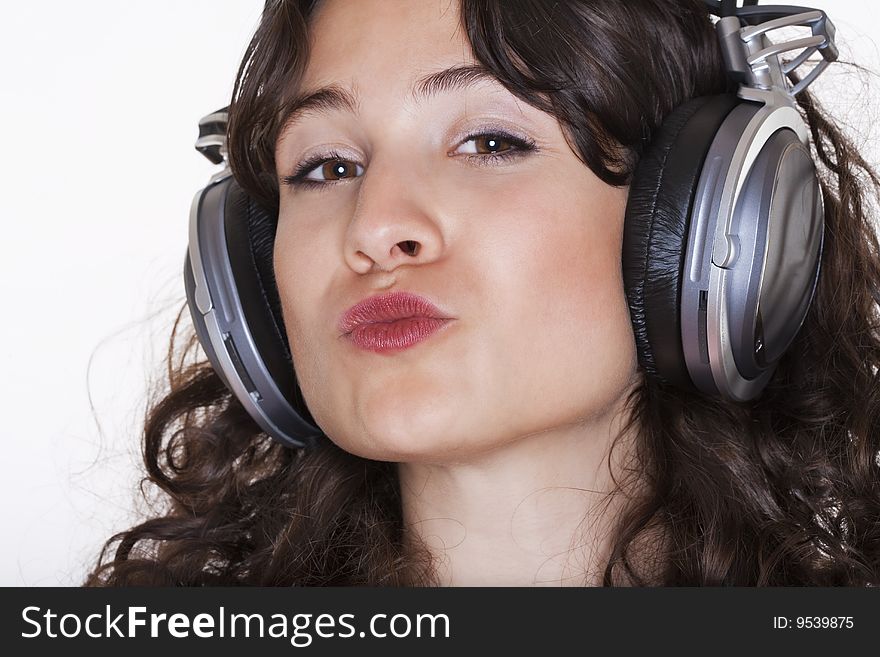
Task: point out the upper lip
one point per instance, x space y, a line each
388 308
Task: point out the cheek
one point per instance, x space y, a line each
290 264
563 332
561 259
301 272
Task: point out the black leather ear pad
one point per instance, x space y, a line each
656 230
250 240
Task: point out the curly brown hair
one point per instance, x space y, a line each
782 490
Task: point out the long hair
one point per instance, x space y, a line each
782 490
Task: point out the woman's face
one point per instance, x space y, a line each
515 239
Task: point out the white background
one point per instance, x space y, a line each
98 110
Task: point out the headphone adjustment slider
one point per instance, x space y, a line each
212 141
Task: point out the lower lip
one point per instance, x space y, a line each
382 337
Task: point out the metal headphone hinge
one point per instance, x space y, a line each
212 141
754 60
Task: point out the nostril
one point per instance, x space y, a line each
410 247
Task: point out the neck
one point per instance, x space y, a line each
537 512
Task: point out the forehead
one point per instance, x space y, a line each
380 60
383 40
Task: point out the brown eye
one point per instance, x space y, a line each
494 147
337 170
488 144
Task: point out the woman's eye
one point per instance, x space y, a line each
494 148
334 170
487 145
322 171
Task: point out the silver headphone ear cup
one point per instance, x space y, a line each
780 220
231 318
754 251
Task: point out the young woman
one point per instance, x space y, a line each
473 164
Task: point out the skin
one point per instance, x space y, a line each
501 422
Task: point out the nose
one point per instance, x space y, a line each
394 222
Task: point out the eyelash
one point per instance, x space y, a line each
519 146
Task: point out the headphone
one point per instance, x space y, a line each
722 239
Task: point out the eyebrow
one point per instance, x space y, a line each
332 97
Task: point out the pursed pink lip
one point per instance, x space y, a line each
392 321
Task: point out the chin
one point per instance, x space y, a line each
405 428
395 417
